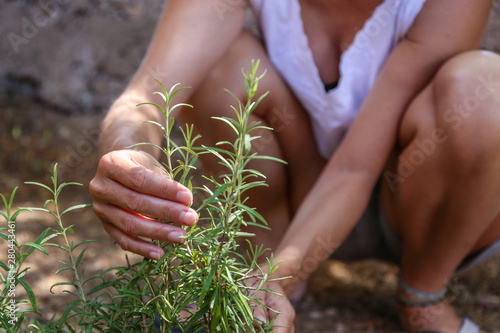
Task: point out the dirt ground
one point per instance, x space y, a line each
356 297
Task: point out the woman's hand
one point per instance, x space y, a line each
127 189
284 322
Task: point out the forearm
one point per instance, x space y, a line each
189 40
122 126
341 195
322 223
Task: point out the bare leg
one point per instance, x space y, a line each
291 139
447 195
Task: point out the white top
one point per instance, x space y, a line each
332 112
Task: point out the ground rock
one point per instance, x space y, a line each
76 56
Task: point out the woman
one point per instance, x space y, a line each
387 116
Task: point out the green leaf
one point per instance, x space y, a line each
49 237
225 161
154 104
63 185
252 212
80 257
11 200
85 242
76 207
4 236
268 158
60 284
207 285
215 195
5 323
62 270
179 105
41 185
242 303
165 100
211 234
216 310
101 287
30 293
247 143
38 241
231 122
144 144
66 313
154 123
211 150
196 317
35 246
256 104
173 92
44 210
56 245
4 266
244 234
4 199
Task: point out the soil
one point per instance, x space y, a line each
341 297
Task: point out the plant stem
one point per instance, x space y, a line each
69 247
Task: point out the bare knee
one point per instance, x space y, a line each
466 98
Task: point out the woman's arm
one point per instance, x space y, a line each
443 29
189 40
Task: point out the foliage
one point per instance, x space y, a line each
203 285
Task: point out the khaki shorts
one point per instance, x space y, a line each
373 238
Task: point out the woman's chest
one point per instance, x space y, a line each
330 27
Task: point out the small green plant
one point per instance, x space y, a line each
11 316
13 308
205 284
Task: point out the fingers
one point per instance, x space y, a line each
137 225
127 188
129 170
133 244
115 194
260 314
284 321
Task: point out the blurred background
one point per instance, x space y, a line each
62 64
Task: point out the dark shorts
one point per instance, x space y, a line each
373 238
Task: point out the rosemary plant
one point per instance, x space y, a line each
202 285
205 284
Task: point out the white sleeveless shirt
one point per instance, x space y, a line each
332 112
